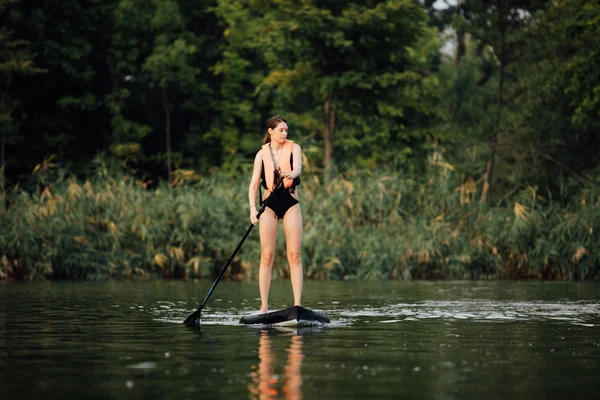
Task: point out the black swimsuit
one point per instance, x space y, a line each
280 200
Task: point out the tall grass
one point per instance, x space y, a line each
363 225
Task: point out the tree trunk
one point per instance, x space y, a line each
167 133
328 132
2 166
460 37
487 180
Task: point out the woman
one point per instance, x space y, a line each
278 164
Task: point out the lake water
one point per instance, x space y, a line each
423 340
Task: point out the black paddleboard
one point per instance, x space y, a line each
293 316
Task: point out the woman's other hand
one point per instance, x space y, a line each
284 173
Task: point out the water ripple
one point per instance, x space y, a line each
581 312
584 313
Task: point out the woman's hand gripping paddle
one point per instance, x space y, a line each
194 318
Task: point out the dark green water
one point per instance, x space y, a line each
447 340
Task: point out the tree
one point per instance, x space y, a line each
61 111
560 118
16 60
497 24
170 68
162 59
353 71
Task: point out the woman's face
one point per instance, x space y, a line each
279 133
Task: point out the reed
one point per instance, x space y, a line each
363 225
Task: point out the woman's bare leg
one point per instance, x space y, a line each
268 233
292 226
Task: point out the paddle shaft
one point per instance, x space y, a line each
196 314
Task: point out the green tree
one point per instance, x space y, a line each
16 60
358 73
560 80
62 111
162 57
497 24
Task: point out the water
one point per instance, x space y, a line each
441 340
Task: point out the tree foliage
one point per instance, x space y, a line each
560 82
174 87
358 74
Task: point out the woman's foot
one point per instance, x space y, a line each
263 310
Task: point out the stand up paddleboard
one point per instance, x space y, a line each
293 316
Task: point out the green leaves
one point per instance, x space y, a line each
342 65
560 82
170 65
361 82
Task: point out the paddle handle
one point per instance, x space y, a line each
262 209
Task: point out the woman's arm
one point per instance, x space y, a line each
297 167
253 188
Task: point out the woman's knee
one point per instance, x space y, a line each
294 257
267 257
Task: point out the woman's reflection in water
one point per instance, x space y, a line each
266 384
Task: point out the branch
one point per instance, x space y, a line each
561 165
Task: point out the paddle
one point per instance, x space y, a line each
194 318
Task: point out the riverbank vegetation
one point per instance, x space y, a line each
374 225
441 139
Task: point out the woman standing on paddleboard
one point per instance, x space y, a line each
277 168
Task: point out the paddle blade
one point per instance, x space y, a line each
193 319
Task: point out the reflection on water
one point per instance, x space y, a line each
268 379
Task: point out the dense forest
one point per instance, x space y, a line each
441 139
